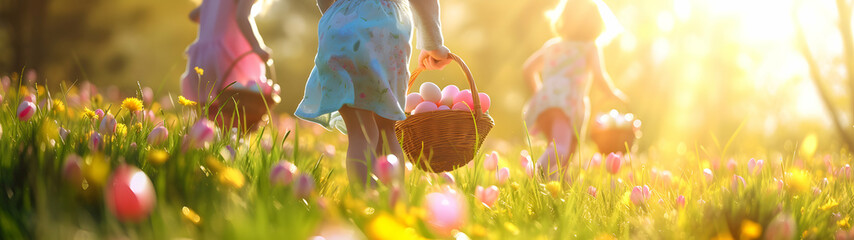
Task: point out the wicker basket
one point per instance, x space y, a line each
242 108
444 140
614 139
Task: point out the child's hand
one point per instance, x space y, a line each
263 53
434 59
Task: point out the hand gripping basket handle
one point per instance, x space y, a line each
474 94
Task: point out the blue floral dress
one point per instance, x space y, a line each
362 61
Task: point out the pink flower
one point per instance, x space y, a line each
26 111
448 177
100 113
530 169
845 171
640 195
731 164
108 125
283 173
754 166
709 176
445 211
783 226
680 201
735 180
95 141
502 175
303 186
487 196
592 191
387 168
524 159
596 160
158 135
491 161
780 184
666 177
202 134
612 163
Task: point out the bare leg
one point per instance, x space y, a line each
388 138
555 160
363 136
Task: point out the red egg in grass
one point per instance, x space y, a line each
130 195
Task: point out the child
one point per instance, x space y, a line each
361 70
569 63
228 49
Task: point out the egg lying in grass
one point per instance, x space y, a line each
412 100
130 194
430 92
425 107
448 94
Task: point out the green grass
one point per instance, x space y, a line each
39 202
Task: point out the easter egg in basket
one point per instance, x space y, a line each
614 131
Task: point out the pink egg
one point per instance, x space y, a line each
412 100
431 92
283 173
484 101
461 106
130 194
425 107
26 111
464 96
443 107
387 169
445 210
448 94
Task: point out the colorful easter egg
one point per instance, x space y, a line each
26 111
412 100
431 92
130 194
448 94
464 96
425 106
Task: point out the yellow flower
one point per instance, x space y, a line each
554 188
750 229
186 102
844 223
40 90
191 215
132 104
808 146
798 180
23 91
158 157
58 105
200 71
121 129
512 228
232 177
89 113
830 204
386 227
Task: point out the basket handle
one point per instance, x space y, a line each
474 94
268 65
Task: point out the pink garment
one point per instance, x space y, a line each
217 46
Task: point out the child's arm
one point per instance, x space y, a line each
601 80
531 70
324 5
194 15
434 54
249 30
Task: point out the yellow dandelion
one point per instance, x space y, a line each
798 180
515 185
121 129
132 104
829 205
185 101
137 127
158 157
232 177
386 227
750 229
554 188
844 223
40 90
58 105
200 71
89 114
191 215
23 91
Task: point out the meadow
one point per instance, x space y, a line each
56 168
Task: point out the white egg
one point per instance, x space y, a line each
425 107
412 100
448 94
430 92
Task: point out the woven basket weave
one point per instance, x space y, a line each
440 141
242 108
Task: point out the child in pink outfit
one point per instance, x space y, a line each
568 65
228 49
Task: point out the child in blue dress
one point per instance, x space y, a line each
361 70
